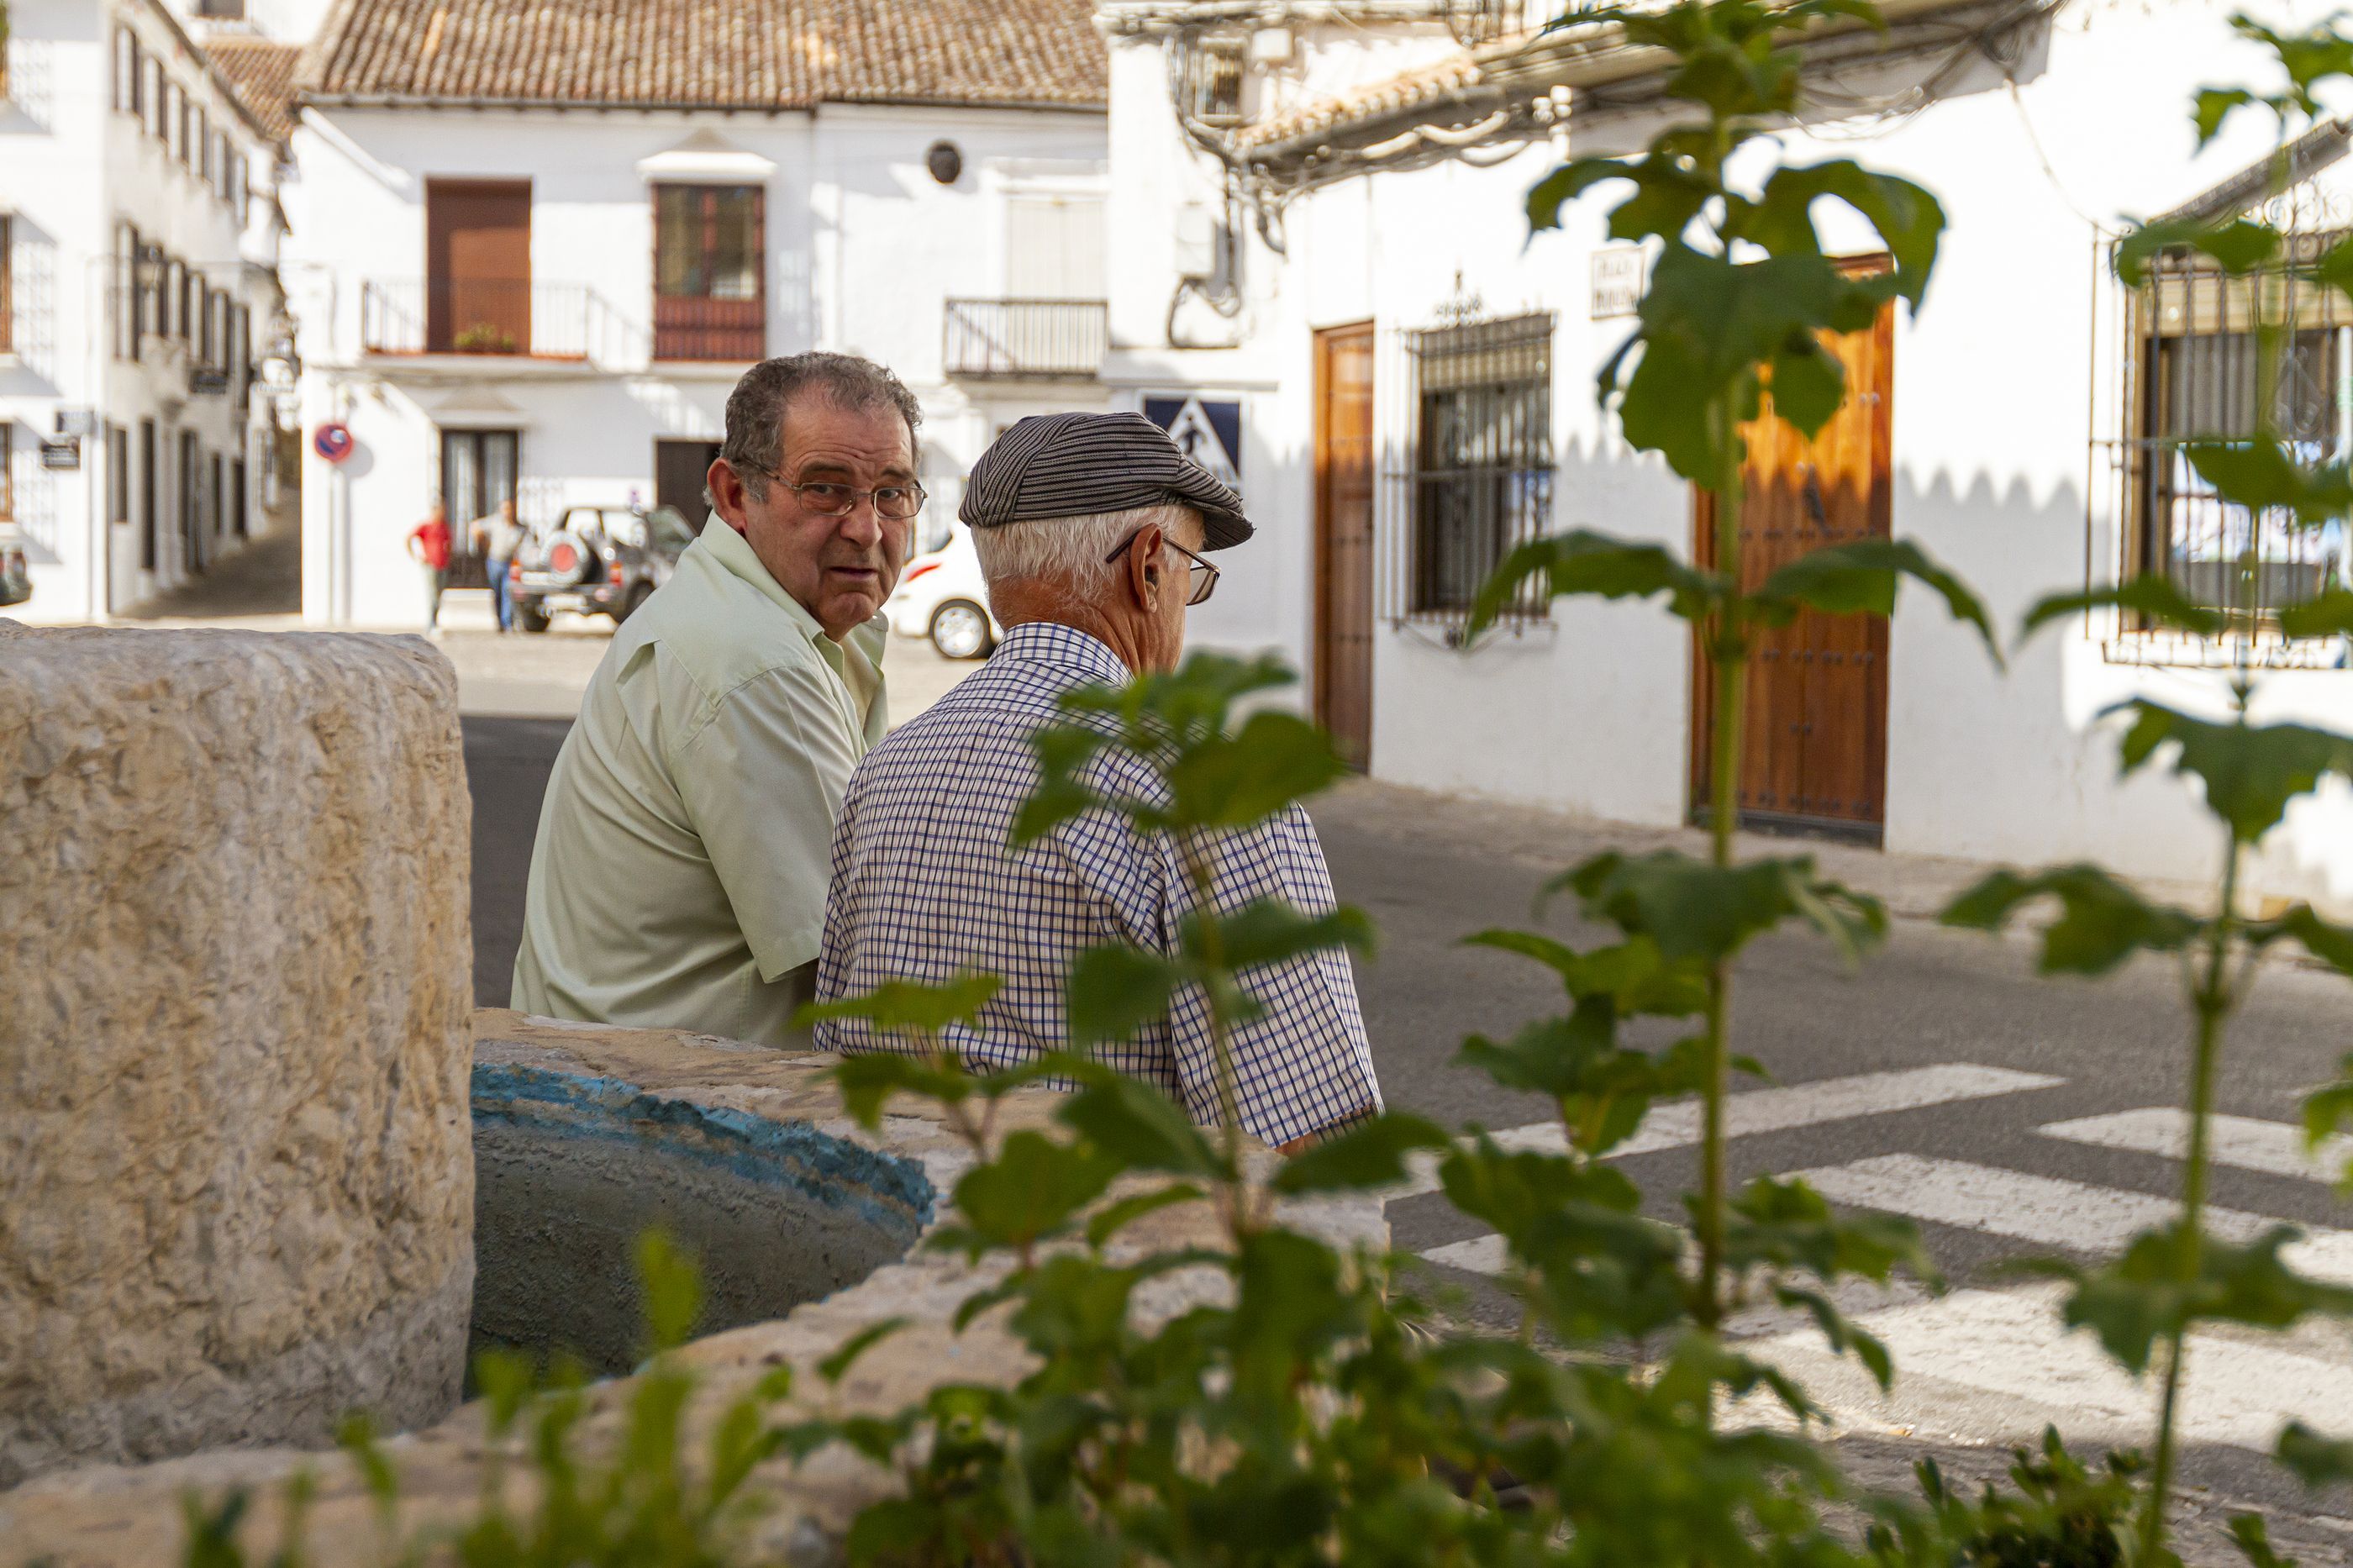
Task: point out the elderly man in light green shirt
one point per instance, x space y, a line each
679 877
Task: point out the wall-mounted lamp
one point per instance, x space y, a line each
944 161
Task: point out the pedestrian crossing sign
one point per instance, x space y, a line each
1208 430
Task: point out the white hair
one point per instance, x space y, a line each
1075 551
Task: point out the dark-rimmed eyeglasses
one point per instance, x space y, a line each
826 497
1204 575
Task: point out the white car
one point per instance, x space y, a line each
941 596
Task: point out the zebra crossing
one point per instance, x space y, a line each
1996 1365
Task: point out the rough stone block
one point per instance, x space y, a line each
235 976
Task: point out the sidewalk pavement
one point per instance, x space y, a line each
1912 886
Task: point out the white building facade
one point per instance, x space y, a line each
505 290
1349 272
138 289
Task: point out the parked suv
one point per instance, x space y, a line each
598 561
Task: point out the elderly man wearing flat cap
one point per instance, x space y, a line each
1090 530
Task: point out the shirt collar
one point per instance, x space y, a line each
732 554
1050 642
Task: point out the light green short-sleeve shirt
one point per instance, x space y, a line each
679 876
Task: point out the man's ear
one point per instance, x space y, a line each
728 495
1142 559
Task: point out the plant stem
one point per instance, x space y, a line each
1730 658
2212 998
1221 1046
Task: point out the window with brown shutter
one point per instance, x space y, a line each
710 273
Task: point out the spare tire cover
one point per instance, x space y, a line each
567 557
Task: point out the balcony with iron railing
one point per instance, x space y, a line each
514 318
708 329
1025 339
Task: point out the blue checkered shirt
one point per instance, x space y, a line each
924 886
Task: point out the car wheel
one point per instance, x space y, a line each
960 630
637 597
529 619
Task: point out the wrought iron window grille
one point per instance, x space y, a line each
2189 370
1472 475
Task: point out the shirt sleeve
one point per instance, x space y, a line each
761 780
1304 1065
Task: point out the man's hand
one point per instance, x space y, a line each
1307 1141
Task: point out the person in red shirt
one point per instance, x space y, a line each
429 543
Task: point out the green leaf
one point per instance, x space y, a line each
2318 1461
2153 597
1694 910
1112 992
2147 1295
2325 1110
2101 921
1064 751
1239 781
1784 1225
2261 475
1840 1332
671 1288
2251 771
2329 942
1586 563
1667 195
2330 615
1861 578
2215 105
867 1081
2253 1539
1111 1218
1142 1127
1032 1188
1368 1155
910 1005
2236 246
1269 931
1907 217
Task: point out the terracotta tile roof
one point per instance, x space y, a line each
263 74
1423 85
731 54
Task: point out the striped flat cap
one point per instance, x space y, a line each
1076 465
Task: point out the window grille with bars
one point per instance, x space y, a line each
2193 375
1482 476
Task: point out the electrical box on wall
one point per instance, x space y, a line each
1200 242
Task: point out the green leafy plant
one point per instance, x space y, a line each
1732 327
484 337
641 1497
2144 1306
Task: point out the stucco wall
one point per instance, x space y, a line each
235 985
71 167
1999 385
862 248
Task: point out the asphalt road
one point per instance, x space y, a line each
1970 1059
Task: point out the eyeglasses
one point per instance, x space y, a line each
823 497
1204 575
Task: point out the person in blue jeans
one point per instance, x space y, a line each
495 539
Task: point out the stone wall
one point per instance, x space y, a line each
131 1518
234 976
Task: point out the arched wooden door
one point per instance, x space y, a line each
1815 751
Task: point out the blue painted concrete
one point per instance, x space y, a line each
888 1191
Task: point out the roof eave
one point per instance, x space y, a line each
1583 57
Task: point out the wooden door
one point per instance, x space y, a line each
1344 537
679 470
1815 750
478 266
